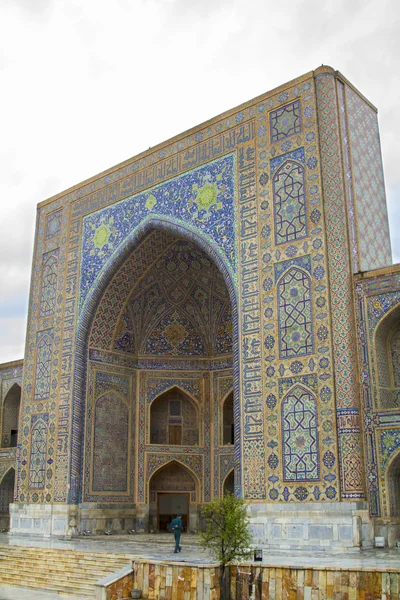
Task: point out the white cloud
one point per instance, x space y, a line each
86 85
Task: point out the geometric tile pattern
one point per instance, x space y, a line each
369 187
49 283
53 224
289 203
37 469
300 436
43 364
340 285
177 307
285 121
295 314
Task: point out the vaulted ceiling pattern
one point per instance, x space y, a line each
180 307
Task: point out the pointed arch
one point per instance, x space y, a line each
386 353
6 472
93 299
290 214
300 444
10 417
7 484
295 319
392 481
228 484
174 461
174 419
180 388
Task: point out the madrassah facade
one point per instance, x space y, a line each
219 313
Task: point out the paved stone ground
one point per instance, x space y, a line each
160 547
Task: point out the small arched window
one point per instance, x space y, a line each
174 420
228 433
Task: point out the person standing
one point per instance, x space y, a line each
176 527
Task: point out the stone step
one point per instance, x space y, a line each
63 571
70 573
66 566
72 587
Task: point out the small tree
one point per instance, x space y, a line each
226 534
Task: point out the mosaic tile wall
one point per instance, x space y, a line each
256 199
341 291
378 312
368 183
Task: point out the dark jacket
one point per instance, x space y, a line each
176 524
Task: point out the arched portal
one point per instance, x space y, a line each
10 417
172 491
6 497
162 317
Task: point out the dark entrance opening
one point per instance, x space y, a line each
169 506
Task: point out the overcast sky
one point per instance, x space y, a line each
87 84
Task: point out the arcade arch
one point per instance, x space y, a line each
10 416
387 360
6 497
393 485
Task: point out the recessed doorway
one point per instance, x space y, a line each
169 506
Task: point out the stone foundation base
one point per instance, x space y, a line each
332 526
39 519
100 517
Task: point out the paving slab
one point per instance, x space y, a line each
161 546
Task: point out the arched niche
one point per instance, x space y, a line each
173 488
229 483
108 298
11 405
393 485
6 497
110 463
387 360
174 419
227 421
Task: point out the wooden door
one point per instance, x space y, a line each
175 435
